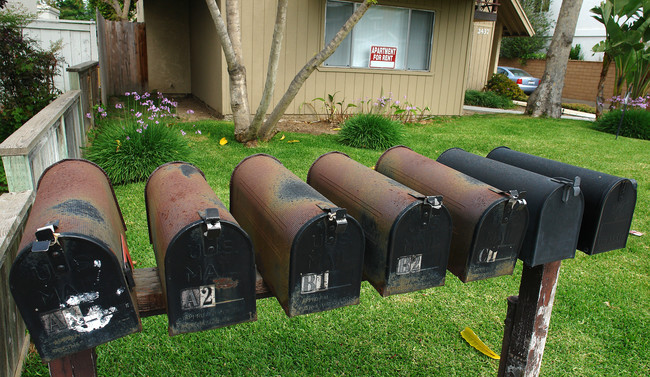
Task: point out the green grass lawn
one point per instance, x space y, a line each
602 304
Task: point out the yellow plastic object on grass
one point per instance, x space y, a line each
282 138
293 141
475 342
223 141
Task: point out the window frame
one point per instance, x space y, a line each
344 68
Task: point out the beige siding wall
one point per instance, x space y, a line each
206 57
442 89
171 24
479 62
168 45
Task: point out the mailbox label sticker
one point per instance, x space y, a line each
311 283
205 296
71 318
409 264
199 297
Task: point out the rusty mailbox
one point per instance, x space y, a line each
488 224
205 260
407 233
609 200
308 250
72 279
555 204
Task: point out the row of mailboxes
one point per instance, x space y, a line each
399 227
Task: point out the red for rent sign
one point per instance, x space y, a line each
382 57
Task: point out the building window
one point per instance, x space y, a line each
408 34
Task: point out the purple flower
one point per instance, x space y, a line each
198 132
136 97
151 117
145 126
190 111
103 115
139 130
88 115
183 133
128 138
127 94
100 110
156 122
140 121
138 114
118 105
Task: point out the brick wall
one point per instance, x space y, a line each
580 82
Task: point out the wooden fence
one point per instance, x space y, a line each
85 77
78 43
14 341
122 56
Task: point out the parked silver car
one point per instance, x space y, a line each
525 80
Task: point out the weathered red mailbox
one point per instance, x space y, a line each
72 280
488 224
407 233
609 200
205 260
555 204
308 250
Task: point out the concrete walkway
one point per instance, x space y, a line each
566 113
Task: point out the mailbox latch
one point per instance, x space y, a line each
429 203
47 241
337 222
212 222
570 187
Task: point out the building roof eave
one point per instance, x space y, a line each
515 22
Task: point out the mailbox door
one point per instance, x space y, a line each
210 281
325 271
418 249
83 306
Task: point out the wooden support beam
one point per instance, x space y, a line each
527 321
81 364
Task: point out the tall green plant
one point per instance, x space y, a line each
26 73
627 43
525 48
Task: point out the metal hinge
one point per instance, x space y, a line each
212 222
515 200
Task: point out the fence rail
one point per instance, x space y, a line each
55 133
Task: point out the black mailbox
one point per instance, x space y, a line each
308 250
555 204
205 260
488 224
407 233
72 280
609 200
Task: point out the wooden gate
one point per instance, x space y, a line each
122 56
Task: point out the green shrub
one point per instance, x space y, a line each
370 131
487 99
636 123
576 53
26 73
501 84
136 137
130 152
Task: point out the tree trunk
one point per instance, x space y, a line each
600 100
121 12
272 70
266 131
230 38
547 99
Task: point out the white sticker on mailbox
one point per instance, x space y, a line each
198 298
311 283
409 264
